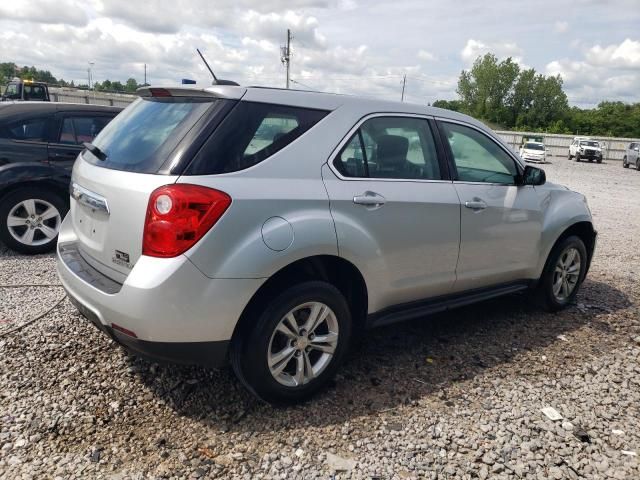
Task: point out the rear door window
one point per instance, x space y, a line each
391 148
251 133
141 138
79 129
32 129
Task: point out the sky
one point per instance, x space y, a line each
344 46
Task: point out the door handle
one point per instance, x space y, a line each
369 199
476 205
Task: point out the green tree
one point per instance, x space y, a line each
485 90
131 85
455 105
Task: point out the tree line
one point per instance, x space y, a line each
506 96
9 70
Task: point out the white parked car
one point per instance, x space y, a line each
585 148
533 152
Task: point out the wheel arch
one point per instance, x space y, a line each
582 229
329 268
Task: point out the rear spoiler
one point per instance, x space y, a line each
216 91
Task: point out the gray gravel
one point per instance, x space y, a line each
456 395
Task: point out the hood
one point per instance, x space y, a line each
530 151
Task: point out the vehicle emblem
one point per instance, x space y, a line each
122 259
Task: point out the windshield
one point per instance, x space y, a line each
141 138
533 146
589 144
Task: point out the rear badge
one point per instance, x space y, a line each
122 259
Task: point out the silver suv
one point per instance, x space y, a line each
632 156
271 227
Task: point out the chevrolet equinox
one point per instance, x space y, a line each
270 227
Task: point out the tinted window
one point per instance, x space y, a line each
391 147
67 134
141 138
77 130
34 92
477 157
33 129
251 133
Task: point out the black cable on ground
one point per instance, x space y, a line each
29 322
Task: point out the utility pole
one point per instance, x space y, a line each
404 83
90 72
285 55
145 73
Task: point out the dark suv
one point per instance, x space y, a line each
39 142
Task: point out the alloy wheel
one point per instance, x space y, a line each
566 273
34 222
303 344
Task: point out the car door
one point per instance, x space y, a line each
501 222
632 155
396 212
74 129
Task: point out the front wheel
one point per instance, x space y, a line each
30 219
569 156
577 157
624 162
638 164
563 274
296 344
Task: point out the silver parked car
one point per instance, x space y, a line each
632 156
270 227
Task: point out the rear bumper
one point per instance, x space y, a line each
210 354
176 313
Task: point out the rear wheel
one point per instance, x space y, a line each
624 162
563 274
30 219
296 344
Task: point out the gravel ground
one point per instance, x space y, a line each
457 395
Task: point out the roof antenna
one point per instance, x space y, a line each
216 81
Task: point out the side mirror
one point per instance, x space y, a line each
533 176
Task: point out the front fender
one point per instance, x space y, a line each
14 174
562 209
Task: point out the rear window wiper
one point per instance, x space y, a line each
99 154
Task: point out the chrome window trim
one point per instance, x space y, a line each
336 151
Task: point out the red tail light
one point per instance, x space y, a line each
178 216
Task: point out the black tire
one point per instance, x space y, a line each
544 290
624 162
250 349
599 160
577 157
569 156
638 164
41 243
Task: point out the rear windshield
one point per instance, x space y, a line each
251 133
141 138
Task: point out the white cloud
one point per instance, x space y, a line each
561 26
426 56
475 48
626 54
604 73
